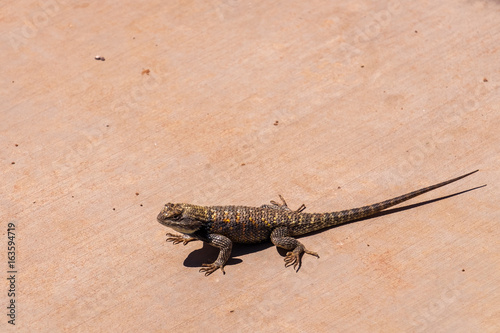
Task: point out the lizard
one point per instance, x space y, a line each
220 226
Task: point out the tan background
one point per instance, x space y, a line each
372 98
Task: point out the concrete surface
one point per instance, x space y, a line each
333 104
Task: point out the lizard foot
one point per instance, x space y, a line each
176 239
210 268
284 206
294 258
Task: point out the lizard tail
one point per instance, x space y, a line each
357 213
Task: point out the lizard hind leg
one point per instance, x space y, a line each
283 205
281 238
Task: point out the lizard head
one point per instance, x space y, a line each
175 217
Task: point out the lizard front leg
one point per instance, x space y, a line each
225 245
281 238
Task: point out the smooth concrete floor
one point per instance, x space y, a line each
333 104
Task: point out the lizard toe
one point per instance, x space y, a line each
312 253
210 268
292 259
175 239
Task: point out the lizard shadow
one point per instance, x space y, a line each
208 254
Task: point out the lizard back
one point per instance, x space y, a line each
243 224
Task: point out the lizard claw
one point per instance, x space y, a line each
301 208
295 258
283 205
292 258
176 239
210 268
